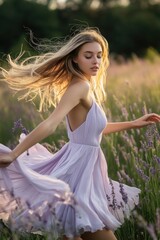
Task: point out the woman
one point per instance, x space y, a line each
74 76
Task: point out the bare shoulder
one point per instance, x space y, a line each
81 87
77 92
80 83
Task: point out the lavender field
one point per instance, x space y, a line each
133 156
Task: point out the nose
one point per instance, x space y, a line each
95 60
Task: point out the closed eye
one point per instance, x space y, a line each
88 57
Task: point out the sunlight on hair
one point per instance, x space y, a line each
45 77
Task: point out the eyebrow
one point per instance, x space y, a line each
92 52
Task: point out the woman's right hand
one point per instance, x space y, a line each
6 159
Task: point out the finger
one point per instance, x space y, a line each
148 123
145 124
156 115
155 118
153 115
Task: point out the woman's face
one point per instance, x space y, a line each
89 59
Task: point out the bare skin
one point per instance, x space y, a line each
99 235
75 103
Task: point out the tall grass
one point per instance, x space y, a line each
133 156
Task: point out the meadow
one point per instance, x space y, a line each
133 156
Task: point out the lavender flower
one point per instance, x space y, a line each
124 195
119 176
156 158
141 174
116 157
148 226
143 163
127 139
18 124
152 170
151 135
127 177
144 109
29 218
124 113
114 201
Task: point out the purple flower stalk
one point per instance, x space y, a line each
141 174
18 124
127 177
114 202
124 195
148 226
156 158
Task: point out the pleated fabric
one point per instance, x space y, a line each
68 192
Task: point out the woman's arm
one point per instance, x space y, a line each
138 123
73 95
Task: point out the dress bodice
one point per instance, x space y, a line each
90 131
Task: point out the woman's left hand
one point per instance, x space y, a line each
146 120
5 159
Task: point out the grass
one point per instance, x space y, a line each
133 156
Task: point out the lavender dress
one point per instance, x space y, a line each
69 191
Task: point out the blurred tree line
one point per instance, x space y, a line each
131 28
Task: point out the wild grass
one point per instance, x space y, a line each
133 156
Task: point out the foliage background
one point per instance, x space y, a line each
129 28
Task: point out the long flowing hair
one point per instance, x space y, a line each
48 75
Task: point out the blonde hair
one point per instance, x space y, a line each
48 75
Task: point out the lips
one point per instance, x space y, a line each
94 68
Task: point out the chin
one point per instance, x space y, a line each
94 74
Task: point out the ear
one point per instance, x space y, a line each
75 59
